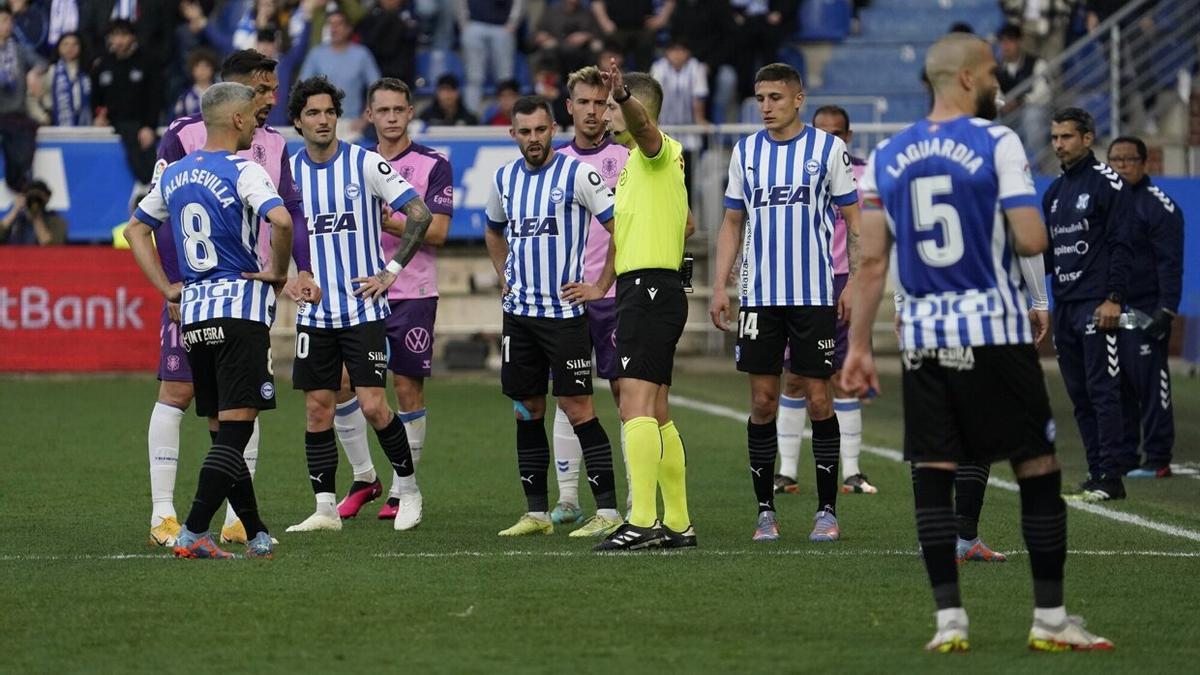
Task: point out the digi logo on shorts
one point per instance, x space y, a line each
779 195
333 223
535 226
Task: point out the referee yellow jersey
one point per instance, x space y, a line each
651 209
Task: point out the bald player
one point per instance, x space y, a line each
954 195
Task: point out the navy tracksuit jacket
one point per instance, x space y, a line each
1156 236
1088 214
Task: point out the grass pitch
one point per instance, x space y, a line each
81 591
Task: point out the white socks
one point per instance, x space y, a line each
351 428
414 430
327 503
849 416
568 455
1051 616
163 442
789 426
250 454
952 616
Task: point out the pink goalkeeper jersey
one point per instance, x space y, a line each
841 260
430 175
607 159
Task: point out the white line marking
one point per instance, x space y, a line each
896 456
824 551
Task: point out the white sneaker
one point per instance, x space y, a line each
1070 635
321 520
951 635
408 514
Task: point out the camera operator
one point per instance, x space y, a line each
30 223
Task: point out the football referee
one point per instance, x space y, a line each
650 227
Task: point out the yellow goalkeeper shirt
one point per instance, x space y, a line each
651 209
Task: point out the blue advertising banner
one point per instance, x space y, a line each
92 187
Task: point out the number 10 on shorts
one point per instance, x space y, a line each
748 325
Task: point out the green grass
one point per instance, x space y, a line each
451 596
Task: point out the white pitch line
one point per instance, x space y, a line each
896 456
765 551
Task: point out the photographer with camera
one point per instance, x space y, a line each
30 223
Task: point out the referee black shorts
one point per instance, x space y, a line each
975 404
651 312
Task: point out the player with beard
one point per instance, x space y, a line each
175 393
953 193
539 214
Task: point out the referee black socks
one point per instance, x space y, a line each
933 496
827 448
1044 524
533 461
763 442
320 449
222 467
598 461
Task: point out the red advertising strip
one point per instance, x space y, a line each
71 309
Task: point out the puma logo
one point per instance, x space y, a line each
527 479
316 478
826 469
594 480
756 472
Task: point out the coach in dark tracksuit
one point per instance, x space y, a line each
1156 282
1087 213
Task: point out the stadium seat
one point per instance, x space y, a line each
824 20
432 64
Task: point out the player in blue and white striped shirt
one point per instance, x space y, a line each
953 192
539 212
786 180
346 190
214 200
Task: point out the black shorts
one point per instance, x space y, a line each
531 346
321 352
975 404
810 333
652 310
231 365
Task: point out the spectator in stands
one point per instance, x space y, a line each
693 24
21 73
447 109
1098 11
1017 66
1043 23
760 27
290 59
684 83
29 222
609 53
507 93
630 25
547 83
68 98
349 66
128 97
31 24
202 65
153 23
64 18
437 23
390 30
489 36
568 35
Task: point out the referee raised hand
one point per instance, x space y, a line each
649 231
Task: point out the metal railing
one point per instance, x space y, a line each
1123 73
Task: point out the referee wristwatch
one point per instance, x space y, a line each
622 99
1115 297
